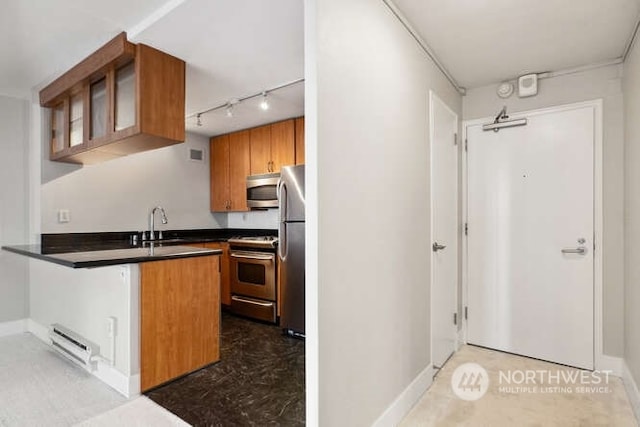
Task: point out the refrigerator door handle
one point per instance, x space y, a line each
282 231
282 197
282 241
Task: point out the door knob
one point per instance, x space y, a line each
436 247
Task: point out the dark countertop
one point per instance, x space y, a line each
83 250
102 258
77 242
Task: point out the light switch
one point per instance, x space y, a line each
64 216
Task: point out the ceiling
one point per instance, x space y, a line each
233 48
487 41
236 48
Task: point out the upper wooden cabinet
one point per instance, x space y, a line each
263 149
229 170
300 141
272 146
122 99
260 150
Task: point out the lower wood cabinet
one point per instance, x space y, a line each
225 271
179 317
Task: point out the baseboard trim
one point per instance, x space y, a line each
460 337
128 386
632 389
406 400
38 331
13 327
611 364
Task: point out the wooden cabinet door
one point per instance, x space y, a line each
219 164
239 168
260 150
300 141
179 317
282 144
225 271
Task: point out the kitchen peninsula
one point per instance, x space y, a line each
162 302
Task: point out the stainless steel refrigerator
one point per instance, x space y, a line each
291 249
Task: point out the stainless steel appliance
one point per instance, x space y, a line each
253 277
262 191
291 249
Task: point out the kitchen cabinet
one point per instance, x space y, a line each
122 99
260 150
263 149
229 168
179 317
300 141
272 146
225 271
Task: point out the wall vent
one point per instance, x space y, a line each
73 346
196 155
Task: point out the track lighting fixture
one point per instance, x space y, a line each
230 105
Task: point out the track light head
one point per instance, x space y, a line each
198 120
265 102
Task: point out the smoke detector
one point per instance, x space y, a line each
505 89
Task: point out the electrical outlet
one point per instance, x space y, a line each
64 216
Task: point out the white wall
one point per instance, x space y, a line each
253 219
82 299
371 206
117 195
14 131
632 211
605 83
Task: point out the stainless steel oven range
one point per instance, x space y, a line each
253 277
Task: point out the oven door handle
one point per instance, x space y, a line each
260 257
251 301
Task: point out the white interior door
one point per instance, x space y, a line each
530 205
444 226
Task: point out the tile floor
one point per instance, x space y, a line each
259 380
557 398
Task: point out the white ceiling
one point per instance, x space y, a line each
233 48
487 41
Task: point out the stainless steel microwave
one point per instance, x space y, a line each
262 191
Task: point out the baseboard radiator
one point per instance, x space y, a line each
73 346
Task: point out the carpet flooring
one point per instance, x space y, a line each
38 387
140 412
551 397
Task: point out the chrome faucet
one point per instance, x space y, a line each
163 218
